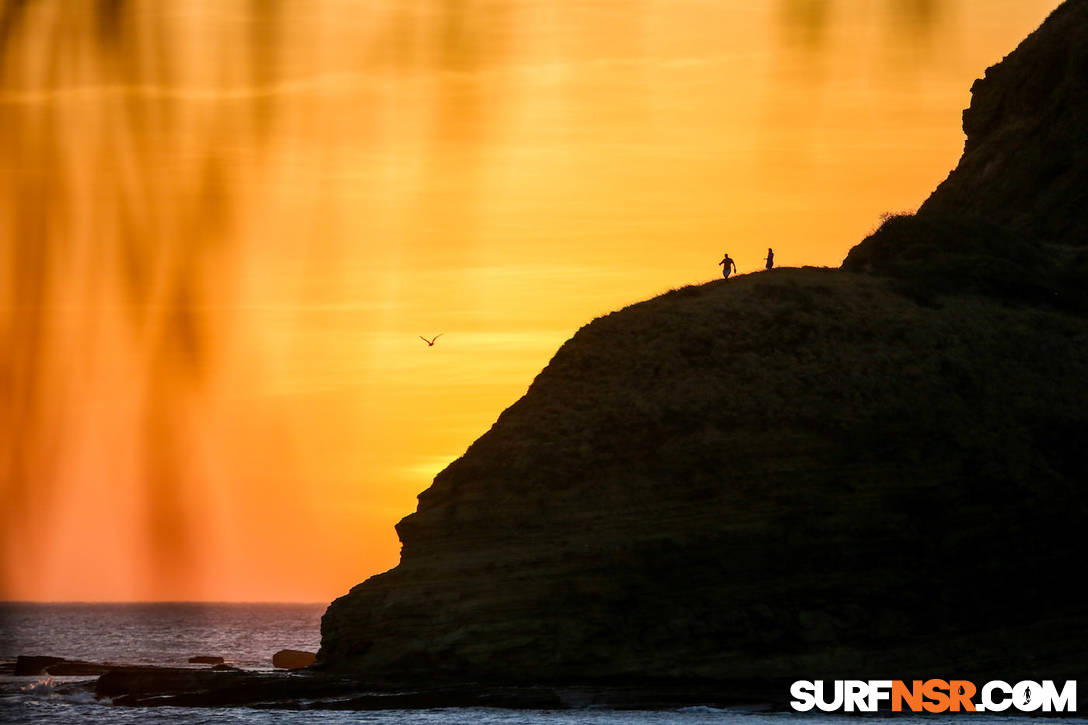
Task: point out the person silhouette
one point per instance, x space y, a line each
726 263
770 258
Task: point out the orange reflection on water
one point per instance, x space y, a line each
224 224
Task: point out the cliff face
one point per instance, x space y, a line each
1025 163
799 472
1011 220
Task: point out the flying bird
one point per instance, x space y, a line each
430 343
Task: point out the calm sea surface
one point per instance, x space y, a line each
248 635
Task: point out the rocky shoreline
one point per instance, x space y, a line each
316 689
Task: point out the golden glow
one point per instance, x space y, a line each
223 225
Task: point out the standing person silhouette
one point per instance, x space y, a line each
726 263
770 258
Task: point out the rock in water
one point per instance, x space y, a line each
205 660
27 665
292 659
801 473
41 665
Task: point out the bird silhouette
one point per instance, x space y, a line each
430 343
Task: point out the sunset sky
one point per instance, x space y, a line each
224 224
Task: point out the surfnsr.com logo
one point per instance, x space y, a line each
933 696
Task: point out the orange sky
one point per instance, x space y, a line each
223 230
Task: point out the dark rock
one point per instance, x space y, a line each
1025 162
292 659
146 685
40 665
801 473
178 687
1011 221
76 667
34 664
755 481
205 660
216 687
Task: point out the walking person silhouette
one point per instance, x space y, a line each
770 258
725 264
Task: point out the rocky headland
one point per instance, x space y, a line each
875 472
871 471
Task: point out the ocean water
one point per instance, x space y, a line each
248 635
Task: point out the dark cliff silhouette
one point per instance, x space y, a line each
875 471
1010 220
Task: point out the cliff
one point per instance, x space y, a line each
1010 220
1025 163
805 472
